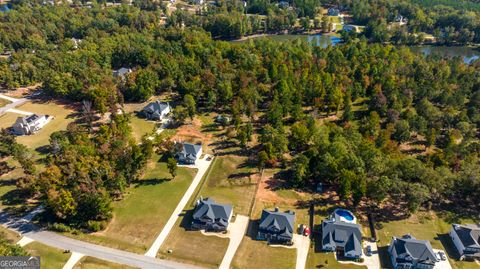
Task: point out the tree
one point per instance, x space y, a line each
300 170
180 114
402 131
347 111
378 189
140 85
172 167
262 160
190 105
347 178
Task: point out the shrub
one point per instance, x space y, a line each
60 227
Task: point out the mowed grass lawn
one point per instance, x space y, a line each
141 215
4 102
327 260
192 246
257 254
94 263
50 258
424 226
62 117
229 182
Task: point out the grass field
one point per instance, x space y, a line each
140 216
230 182
94 263
61 113
4 102
140 127
424 226
8 235
50 258
257 254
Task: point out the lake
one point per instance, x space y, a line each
468 54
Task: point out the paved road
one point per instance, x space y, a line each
24 227
14 103
74 258
302 244
202 166
237 230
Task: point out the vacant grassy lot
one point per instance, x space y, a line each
50 258
140 216
425 226
62 117
94 263
257 254
192 246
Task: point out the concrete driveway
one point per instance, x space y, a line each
442 264
302 244
371 262
236 231
202 166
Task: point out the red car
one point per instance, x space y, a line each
306 232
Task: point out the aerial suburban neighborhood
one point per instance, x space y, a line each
240 134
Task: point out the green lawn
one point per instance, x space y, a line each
50 258
230 182
425 226
10 236
8 119
257 254
140 216
140 127
62 117
94 263
327 260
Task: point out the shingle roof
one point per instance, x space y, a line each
28 119
156 107
410 247
212 210
342 234
468 234
190 151
281 221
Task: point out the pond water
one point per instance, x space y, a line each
4 8
467 53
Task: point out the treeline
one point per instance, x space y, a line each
381 99
449 24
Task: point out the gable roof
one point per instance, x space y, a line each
280 221
189 150
469 235
156 107
122 72
408 247
342 234
208 208
28 119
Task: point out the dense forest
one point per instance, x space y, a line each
345 116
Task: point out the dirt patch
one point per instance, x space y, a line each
266 191
192 133
21 92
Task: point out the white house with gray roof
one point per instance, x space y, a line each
29 124
408 252
466 239
122 72
276 226
188 153
156 110
344 238
211 216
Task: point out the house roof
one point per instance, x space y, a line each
156 107
281 221
468 234
122 71
190 150
208 208
408 247
28 119
342 234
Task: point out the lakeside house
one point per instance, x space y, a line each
29 124
466 239
409 252
276 226
211 216
188 153
156 110
342 235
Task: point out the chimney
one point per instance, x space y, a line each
276 209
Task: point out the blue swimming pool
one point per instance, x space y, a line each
344 214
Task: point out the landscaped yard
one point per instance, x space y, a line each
140 216
4 102
50 258
424 226
327 260
140 127
94 263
